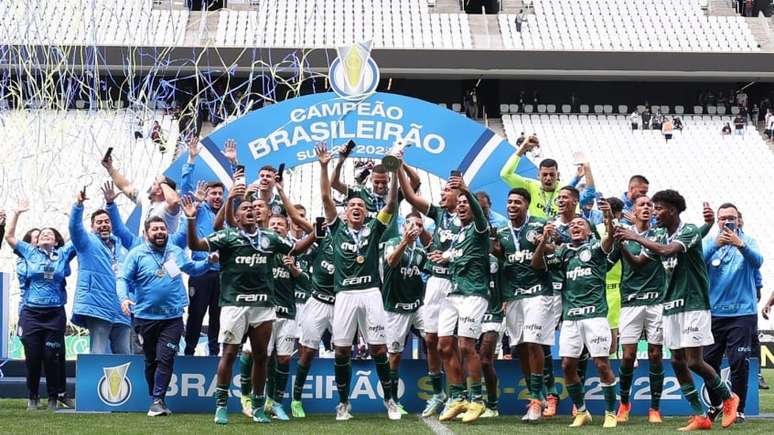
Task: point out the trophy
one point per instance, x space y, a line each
390 161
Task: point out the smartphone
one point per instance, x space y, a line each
456 173
107 154
349 147
730 225
492 232
319 227
280 171
241 178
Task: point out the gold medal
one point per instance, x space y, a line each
160 273
360 259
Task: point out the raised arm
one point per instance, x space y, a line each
412 175
78 234
187 182
410 193
293 214
329 207
10 235
391 205
123 184
607 242
189 210
301 246
119 229
336 178
508 172
651 245
479 218
539 256
192 267
171 198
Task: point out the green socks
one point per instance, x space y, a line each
383 371
342 371
457 391
548 372
626 374
281 374
717 385
535 386
221 395
690 393
258 401
436 382
656 375
609 392
245 374
577 395
394 381
271 376
298 385
476 392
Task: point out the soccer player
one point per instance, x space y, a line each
150 287
459 321
403 291
642 291
686 314
246 288
584 318
285 272
357 285
543 190
267 179
528 294
439 284
492 327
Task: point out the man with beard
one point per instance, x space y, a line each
246 288
357 284
96 306
528 295
686 317
150 287
543 190
460 317
439 283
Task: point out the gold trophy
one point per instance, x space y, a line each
390 161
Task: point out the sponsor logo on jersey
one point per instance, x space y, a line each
445 235
467 319
281 309
528 291
690 330
280 273
645 296
299 294
671 305
520 256
533 327
582 311
408 306
585 255
410 272
328 267
250 260
352 247
578 272
252 298
599 340
357 280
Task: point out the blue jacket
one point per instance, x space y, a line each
95 293
44 276
732 282
205 218
156 297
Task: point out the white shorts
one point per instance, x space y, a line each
594 333
299 317
283 335
635 320
398 327
530 320
318 316
498 327
359 310
435 293
464 313
556 311
688 329
235 321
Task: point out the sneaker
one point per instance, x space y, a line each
402 409
534 411
473 412
434 405
551 403
343 411
278 412
654 416
52 404
65 402
157 408
221 415
33 404
762 385
393 412
712 413
259 416
740 418
453 409
730 406
490 413
697 422
574 411
267 404
581 418
624 409
297 409
247 406
611 420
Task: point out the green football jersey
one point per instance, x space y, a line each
583 293
643 286
555 273
686 272
284 290
447 225
469 257
494 312
356 255
373 202
519 279
403 289
303 285
323 271
245 265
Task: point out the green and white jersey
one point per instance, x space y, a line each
303 287
373 202
447 225
323 270
643 286
349 246
555 273
284 289
403 290
583 293
469 261
519 279
494 312
686 273
246 265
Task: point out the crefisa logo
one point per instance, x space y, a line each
114 387
353 74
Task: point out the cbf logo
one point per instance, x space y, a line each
353 74
114 387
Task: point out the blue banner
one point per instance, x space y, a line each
117 383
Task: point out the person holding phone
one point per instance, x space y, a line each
732 258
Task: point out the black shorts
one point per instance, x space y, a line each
33 321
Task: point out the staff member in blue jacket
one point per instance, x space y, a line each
42 319
732 258
96 305
150 287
